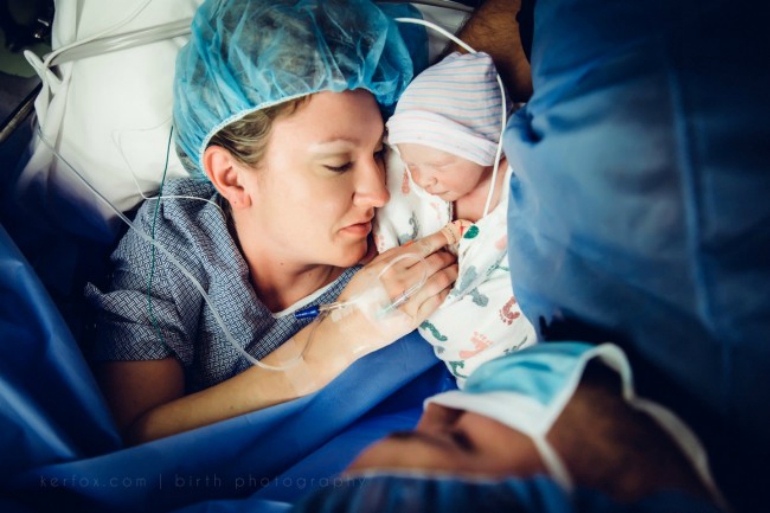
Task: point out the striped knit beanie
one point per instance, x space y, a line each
453 106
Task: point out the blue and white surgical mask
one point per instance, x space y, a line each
529 389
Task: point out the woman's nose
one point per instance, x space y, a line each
371 190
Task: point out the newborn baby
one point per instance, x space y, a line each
445 134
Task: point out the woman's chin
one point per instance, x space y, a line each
353 255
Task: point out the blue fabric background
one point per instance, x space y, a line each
639 209
61 450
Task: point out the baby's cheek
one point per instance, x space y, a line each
405 189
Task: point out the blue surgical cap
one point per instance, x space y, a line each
401 493
246 55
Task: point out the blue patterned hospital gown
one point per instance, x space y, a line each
197 234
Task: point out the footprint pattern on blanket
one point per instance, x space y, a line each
507 314
479 298
480 342
472 232
427 325
406 237
454 368
468 278
498 267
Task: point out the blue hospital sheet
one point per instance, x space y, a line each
639 213
61 450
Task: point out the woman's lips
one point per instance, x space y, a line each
359 229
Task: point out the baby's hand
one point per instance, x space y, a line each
455 231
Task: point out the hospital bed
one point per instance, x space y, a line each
669 258
104 112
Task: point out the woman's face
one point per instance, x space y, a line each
322 177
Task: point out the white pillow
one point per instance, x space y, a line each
110 115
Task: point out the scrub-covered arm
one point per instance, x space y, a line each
148 396
493 29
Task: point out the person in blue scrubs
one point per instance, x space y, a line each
638 210
638 207
555 427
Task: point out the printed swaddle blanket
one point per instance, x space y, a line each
480 319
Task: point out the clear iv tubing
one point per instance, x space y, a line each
405 296
350 303
503 120
312 312
175 262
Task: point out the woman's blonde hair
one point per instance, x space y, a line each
246 139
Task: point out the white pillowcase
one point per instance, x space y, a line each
109 116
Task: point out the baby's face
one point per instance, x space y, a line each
440 173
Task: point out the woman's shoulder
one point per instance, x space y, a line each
186 213
188 185
181 201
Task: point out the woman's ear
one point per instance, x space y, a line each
224 171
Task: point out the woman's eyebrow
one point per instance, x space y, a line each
332 147
338 145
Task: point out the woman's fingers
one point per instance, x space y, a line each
404 275
429 245
421 247
432 294
417 277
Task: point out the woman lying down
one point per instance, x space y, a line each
282 133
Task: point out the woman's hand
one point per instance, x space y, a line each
398 270
384 302
335 343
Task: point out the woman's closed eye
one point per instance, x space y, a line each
379 156
340 169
